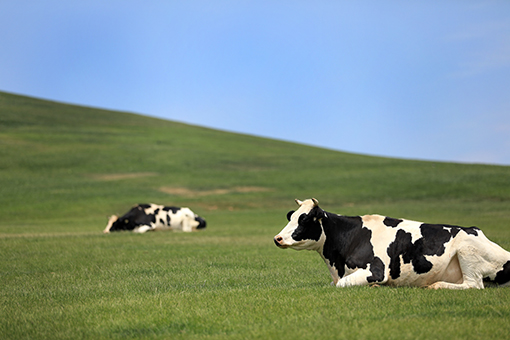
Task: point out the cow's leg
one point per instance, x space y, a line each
142 229
472 264
463 285
358 278
481 259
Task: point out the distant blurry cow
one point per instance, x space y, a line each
150 217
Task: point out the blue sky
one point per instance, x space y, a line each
408 79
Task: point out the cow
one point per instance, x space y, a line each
378 250
149 217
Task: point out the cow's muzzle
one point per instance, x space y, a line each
201 222
278 241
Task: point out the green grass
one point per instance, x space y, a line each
64 169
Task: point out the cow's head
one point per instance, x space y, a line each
304 230
193 221
198 223
114 224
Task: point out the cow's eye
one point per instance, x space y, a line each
126 221
289 214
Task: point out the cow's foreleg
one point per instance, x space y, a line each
358 278
142 229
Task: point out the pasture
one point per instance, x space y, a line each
64 169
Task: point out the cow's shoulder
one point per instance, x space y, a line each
350 246
349 238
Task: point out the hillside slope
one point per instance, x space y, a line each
72 166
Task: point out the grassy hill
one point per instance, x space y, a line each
65 168
63 162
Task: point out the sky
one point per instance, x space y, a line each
427 80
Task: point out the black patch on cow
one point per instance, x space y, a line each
348 244
361 251
289 214
434 238
392 222
377 270
417 257
173 209
503 276
168 219
470 231
309 227
455 229
161 221
396 248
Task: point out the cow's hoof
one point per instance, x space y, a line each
435 286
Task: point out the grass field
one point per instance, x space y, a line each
64 169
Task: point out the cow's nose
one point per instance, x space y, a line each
277 240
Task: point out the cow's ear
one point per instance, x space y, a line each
289 214
319 213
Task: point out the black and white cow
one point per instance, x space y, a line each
373 249
149 217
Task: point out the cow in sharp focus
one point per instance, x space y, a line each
373 249
150 217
